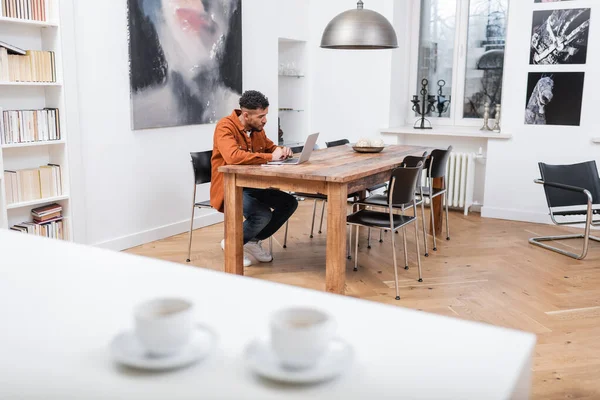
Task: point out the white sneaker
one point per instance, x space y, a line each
255 250
247 260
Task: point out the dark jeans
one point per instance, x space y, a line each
261 223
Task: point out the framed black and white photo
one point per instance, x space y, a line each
185 61
554 98
560 36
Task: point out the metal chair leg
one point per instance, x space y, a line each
285 235
356 250
417 241
585 236
447 226
322 213
271 246
369 238
432 222
405 249
381 236
312 227
424 230
350 236
191 225
395 267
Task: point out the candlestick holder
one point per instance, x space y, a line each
442 103
423 107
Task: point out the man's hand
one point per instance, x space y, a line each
281 153
278 154
287 152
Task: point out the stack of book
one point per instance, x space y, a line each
47 221
22 126
33 184
24 9
18 65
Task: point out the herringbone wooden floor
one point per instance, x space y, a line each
487 272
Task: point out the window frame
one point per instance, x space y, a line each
459 67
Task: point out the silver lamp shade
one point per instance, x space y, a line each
359 29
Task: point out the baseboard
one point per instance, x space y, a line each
162 232
515 215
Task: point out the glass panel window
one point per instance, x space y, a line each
436 48
485 56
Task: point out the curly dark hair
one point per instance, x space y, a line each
253 100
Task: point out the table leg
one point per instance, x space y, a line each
335 270
438 212
234 235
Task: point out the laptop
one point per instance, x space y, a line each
307 150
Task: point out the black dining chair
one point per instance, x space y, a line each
401 192
572 191
381 201
202 167
436 166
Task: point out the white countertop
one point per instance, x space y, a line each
63 303
457 131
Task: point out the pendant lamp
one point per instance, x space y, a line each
359 29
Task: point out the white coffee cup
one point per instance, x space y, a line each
164 325
300 336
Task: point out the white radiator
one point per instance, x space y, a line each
460 173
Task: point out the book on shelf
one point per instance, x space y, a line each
55 229
24 126
24 9
33 184
33 66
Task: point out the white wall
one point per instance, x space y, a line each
350 93
512 165
138 184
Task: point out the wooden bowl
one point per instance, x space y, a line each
367 149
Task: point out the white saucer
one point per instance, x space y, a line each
261 359
126 349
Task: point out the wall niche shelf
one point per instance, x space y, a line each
596 140
293 91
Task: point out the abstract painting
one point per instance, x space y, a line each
185 61
560 36
554 98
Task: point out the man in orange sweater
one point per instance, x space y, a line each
240 139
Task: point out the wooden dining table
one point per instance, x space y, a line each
334 172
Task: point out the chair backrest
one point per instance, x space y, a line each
402 184
437 167
413 161
584 175
202 166
297 149
335 143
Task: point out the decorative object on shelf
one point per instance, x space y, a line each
280 133
185 63
486 117
289 69
443 104
359 29
496 127
423 107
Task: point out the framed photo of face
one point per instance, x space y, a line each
185 61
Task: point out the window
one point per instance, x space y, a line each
461 54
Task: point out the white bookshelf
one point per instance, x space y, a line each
35 35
